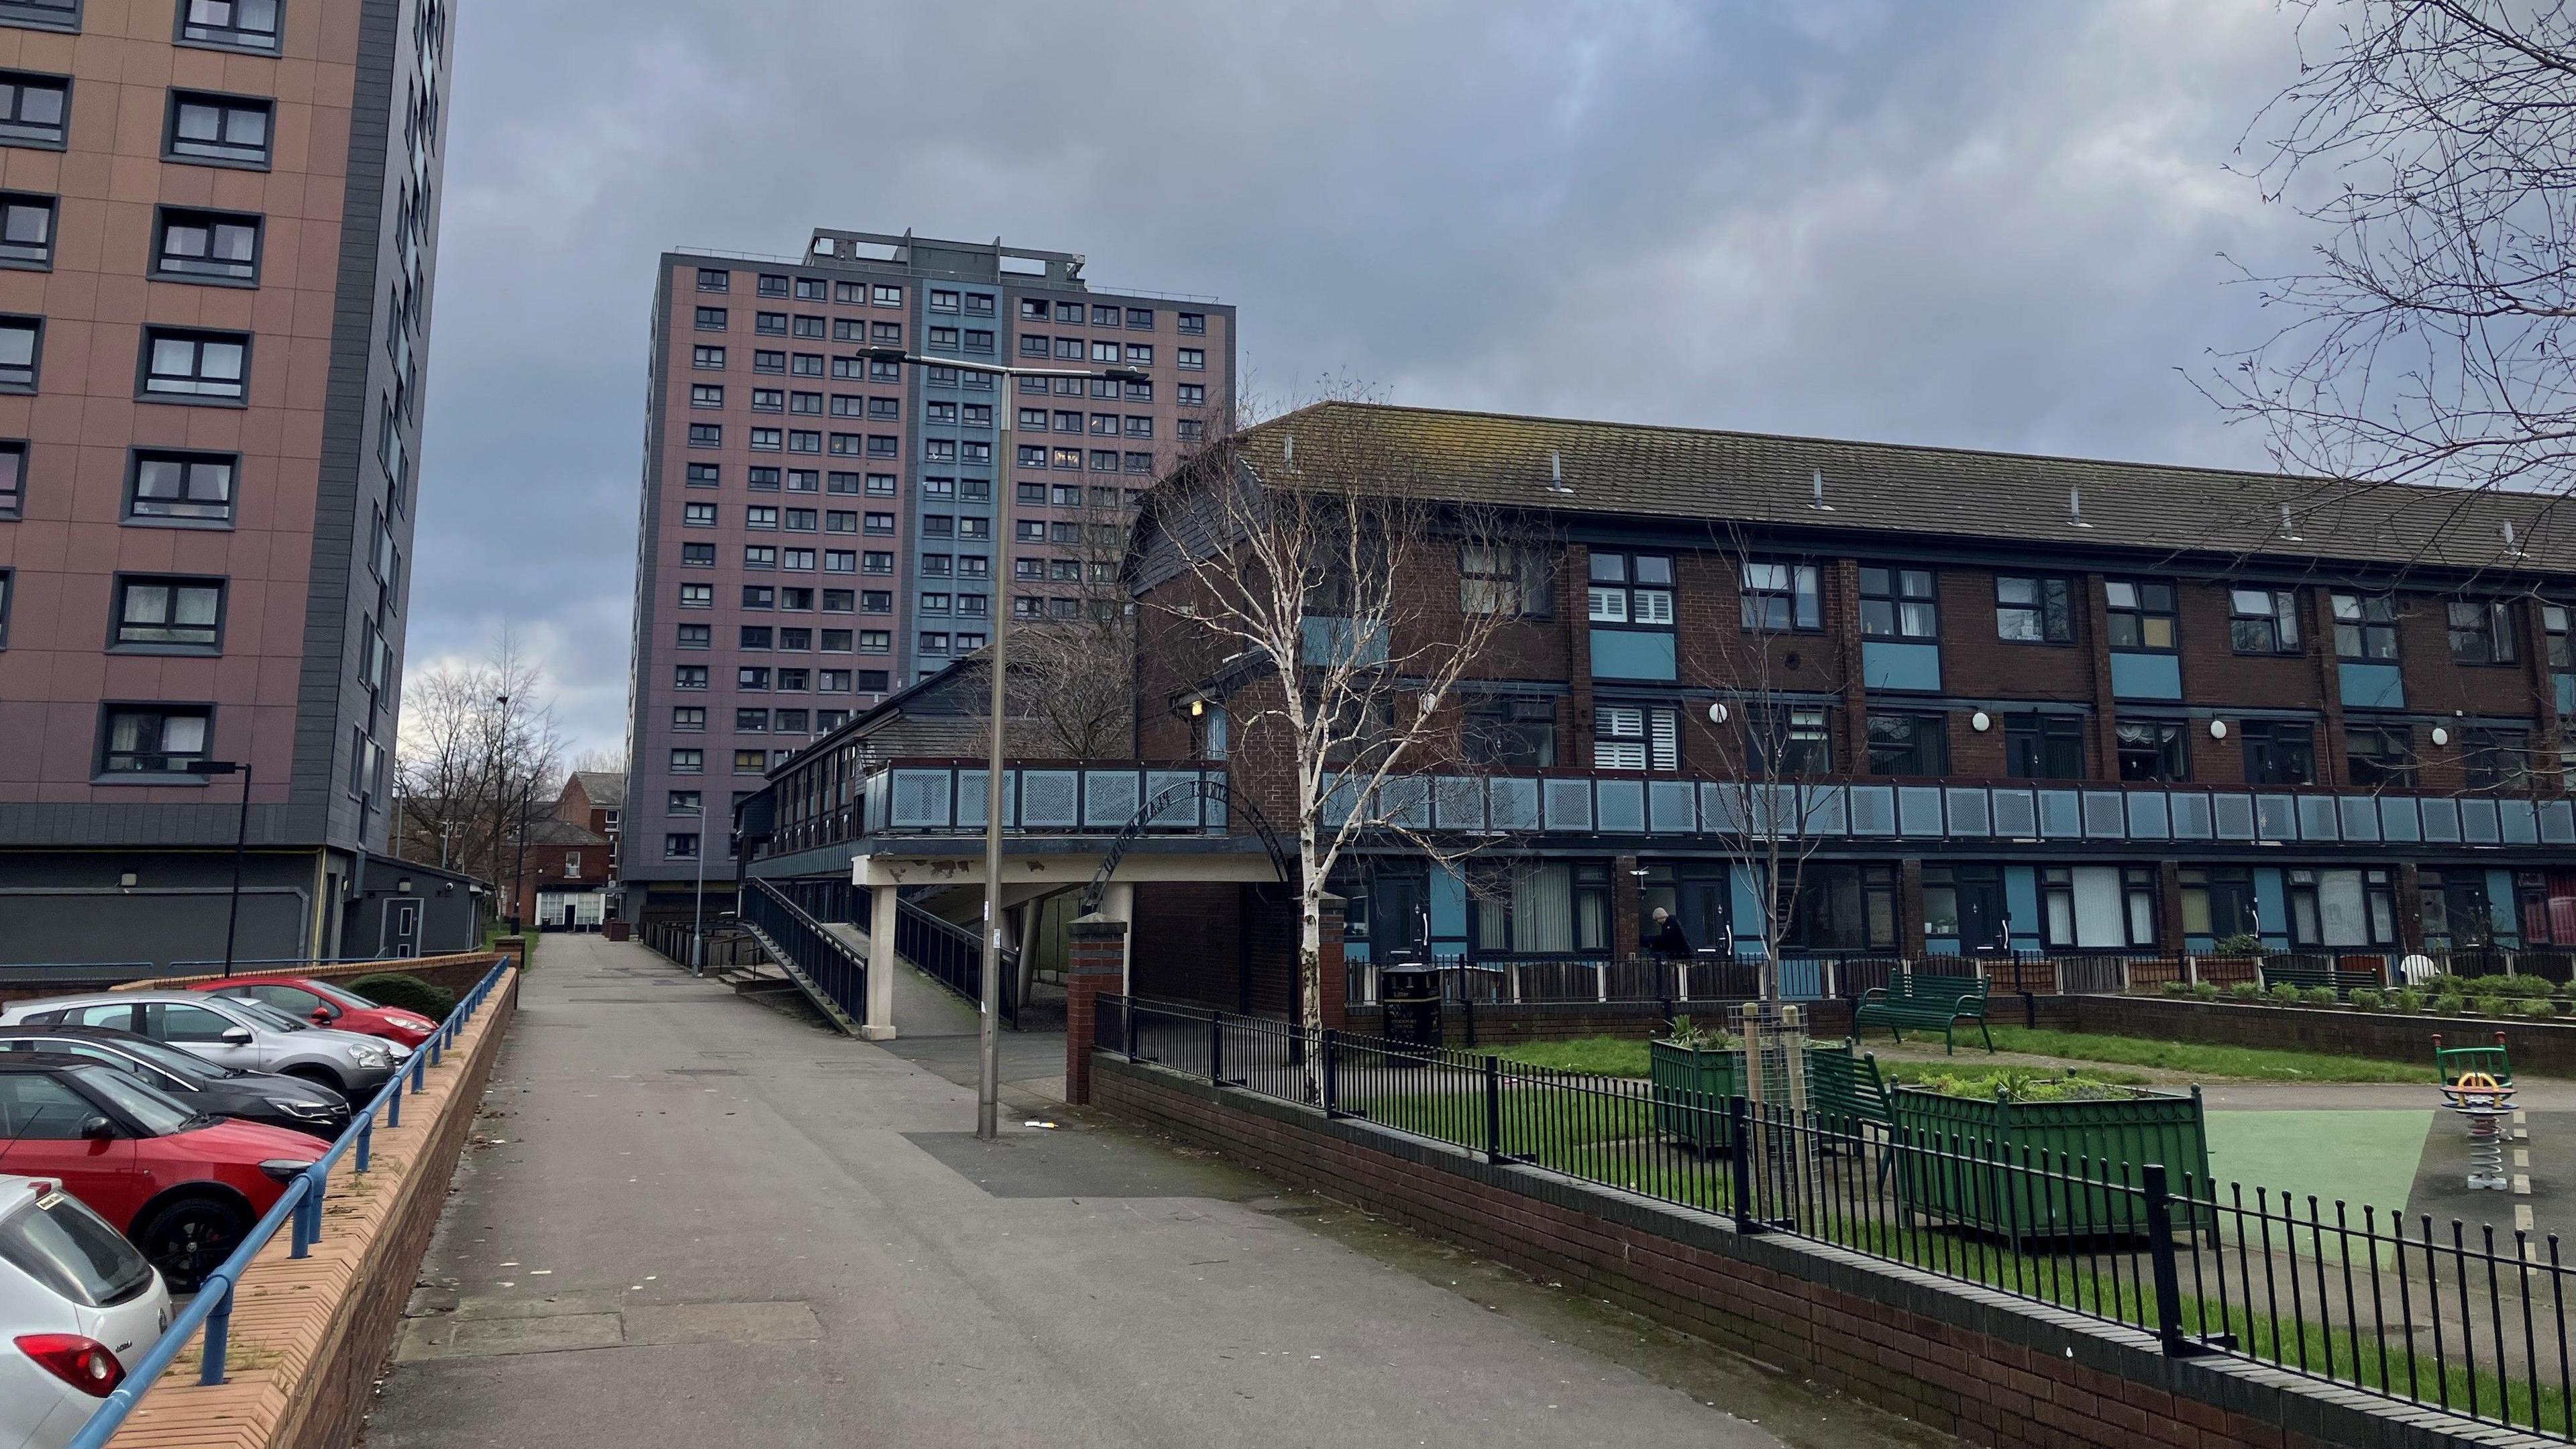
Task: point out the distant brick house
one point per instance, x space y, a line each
570 856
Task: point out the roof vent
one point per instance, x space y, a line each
1817 501
2075 508
1288 450
2290 530
1556 472
2512 545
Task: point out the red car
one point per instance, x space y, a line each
184 1187
324 1004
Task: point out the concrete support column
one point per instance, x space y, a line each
879 1025
1096 965
1118 903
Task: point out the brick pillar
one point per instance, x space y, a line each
2169 940
1332 968
1573 592
1627 911
1842 625
1909 908
1096 966
2410 909
2103 749
2333 765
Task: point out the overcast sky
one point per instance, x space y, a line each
1995 225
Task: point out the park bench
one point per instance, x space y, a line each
2307 976
1845 1091
1909 999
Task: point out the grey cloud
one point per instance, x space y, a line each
1989 226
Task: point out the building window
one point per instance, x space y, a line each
2481 631
1192 324
170 613
1909 744
714 279
1492 578
241 25
2280 752
2097 907
195 366
13 479
697 596
26 231
1512 731
1898 604
2380 755
680 845
2341 907
2263 621
2218 902
690 718
1838 907
1190 359
688 761
2152 749
231 130
34 109
154 739
2495 759
2456 912
198 246
181 485
2142 614
42 14
21 342
2365 626
688 676
1635 737
1782 598
2044 746
1786 742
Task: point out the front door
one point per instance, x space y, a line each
1399 917
1982 923
402 928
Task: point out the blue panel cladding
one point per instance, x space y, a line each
1448 909
2502 908
1940 945
1632 654
2271 908
2021 899
2371 686
2146 676
1746 912
2566 687
1888 664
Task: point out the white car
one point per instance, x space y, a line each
78 1308
232 1031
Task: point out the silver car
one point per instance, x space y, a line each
230 1030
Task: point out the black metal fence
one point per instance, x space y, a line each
827 963
950 955
2450 1316
726 944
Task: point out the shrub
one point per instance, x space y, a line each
2177 988
2449 1005
409 992
2540 1007
2205 990
2245 991
1693 1036
2370 1000
2320 996
2243 943
2286 995
2407 999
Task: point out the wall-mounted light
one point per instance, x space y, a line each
2441 736
403 887
2218 729
1197 707
1717 712
1981 721
127 880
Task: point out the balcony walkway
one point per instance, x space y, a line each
708 1222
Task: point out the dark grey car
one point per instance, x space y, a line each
263 1097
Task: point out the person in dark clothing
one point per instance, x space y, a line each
1668 940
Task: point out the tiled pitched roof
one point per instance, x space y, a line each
1645 471
606 788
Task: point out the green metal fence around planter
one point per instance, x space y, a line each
2108 1141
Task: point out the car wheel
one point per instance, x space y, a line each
319 1076
189 1237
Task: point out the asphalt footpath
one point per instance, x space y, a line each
691 1219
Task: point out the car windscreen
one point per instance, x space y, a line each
154 1111
66 1247
342 996
178 1061
267 1015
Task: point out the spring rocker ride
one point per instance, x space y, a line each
2477 1084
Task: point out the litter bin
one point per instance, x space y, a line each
1409 995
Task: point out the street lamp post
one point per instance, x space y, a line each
241 844
988 1032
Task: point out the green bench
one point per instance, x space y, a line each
2344 979
2453 1063
1925 1001
1845 1091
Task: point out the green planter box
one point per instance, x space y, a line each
1958 1160
1691 1090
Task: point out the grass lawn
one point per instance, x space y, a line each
1621 1057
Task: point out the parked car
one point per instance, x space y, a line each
182 1186
325 1004
79 1307
229 1030
217 1090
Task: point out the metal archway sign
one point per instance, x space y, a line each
1198 789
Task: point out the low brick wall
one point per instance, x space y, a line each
2541 1046
1976 1364
457 972
1467 1025
310 1335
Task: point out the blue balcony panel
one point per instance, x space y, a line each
2016 814
1622 806
1632 654
1515 803
2521 819
2478 822
1568 804
1918 810
2146 676
1969 816
2103 817
2401 822
2192 817
1458 802
2558 822
1669 810
2150 816
2061 815
2276 817
2235 816
2441 821
2371 686
1889 664
2317 818
1051 799
1829 810
1873 810
2360 821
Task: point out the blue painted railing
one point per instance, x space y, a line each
298 1208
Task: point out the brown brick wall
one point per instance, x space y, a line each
1965 1362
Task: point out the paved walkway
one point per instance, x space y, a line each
698 1220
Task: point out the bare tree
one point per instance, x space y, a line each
1771 729
478 751
2434 337
1073 640
1319 566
